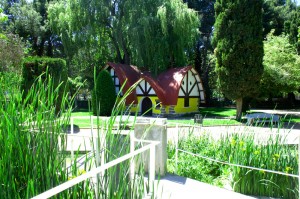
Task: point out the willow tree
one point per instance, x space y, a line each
161 33
239 48
179 27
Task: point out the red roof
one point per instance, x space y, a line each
166 86
170 82
127 73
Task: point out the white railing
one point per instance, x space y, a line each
177 149
101 169
94 172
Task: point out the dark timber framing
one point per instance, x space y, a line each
145 90
188 90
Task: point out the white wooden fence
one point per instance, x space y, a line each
93 172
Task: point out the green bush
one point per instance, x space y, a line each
272 155
104 95
33 67
241 149
195 167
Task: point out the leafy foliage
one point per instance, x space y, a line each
104 94
282 66
242 149
269 154
11 53
292 28
29 20
3 18
33 67
31 161
195 167
239 48
166 21
130 32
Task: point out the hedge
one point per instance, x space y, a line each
33 67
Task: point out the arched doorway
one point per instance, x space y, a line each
147 106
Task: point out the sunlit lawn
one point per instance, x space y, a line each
212 117
206 122
85 122
218 112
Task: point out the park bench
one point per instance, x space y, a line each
261 118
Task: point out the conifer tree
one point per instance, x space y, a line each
239 48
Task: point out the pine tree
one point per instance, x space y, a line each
239 48
104 95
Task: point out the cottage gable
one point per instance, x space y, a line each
176 91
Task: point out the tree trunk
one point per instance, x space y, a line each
239 105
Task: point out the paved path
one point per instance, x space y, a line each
177 187
289 136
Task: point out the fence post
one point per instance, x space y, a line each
132 164
72 133
176 147
92 124
299 167
152 170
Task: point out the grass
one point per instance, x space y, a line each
222 119
31 160
81 113
86 123
206 122
218 112
33 152
242 149
291 119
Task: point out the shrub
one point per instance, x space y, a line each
195 167
271 155
104 95
33 67
242 149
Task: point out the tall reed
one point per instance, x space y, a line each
116 181
242 149
30 135
109 144
269 154
33 147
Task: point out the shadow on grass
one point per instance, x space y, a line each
80 110
218 112
67 129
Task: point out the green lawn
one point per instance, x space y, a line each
85 123
212 117
206 122
81 113
291 119
218 112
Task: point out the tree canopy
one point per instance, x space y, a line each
239 48
153 34
11 49
281 67
133 32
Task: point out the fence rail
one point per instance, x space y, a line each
151 145
177 149
94 172
238 165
